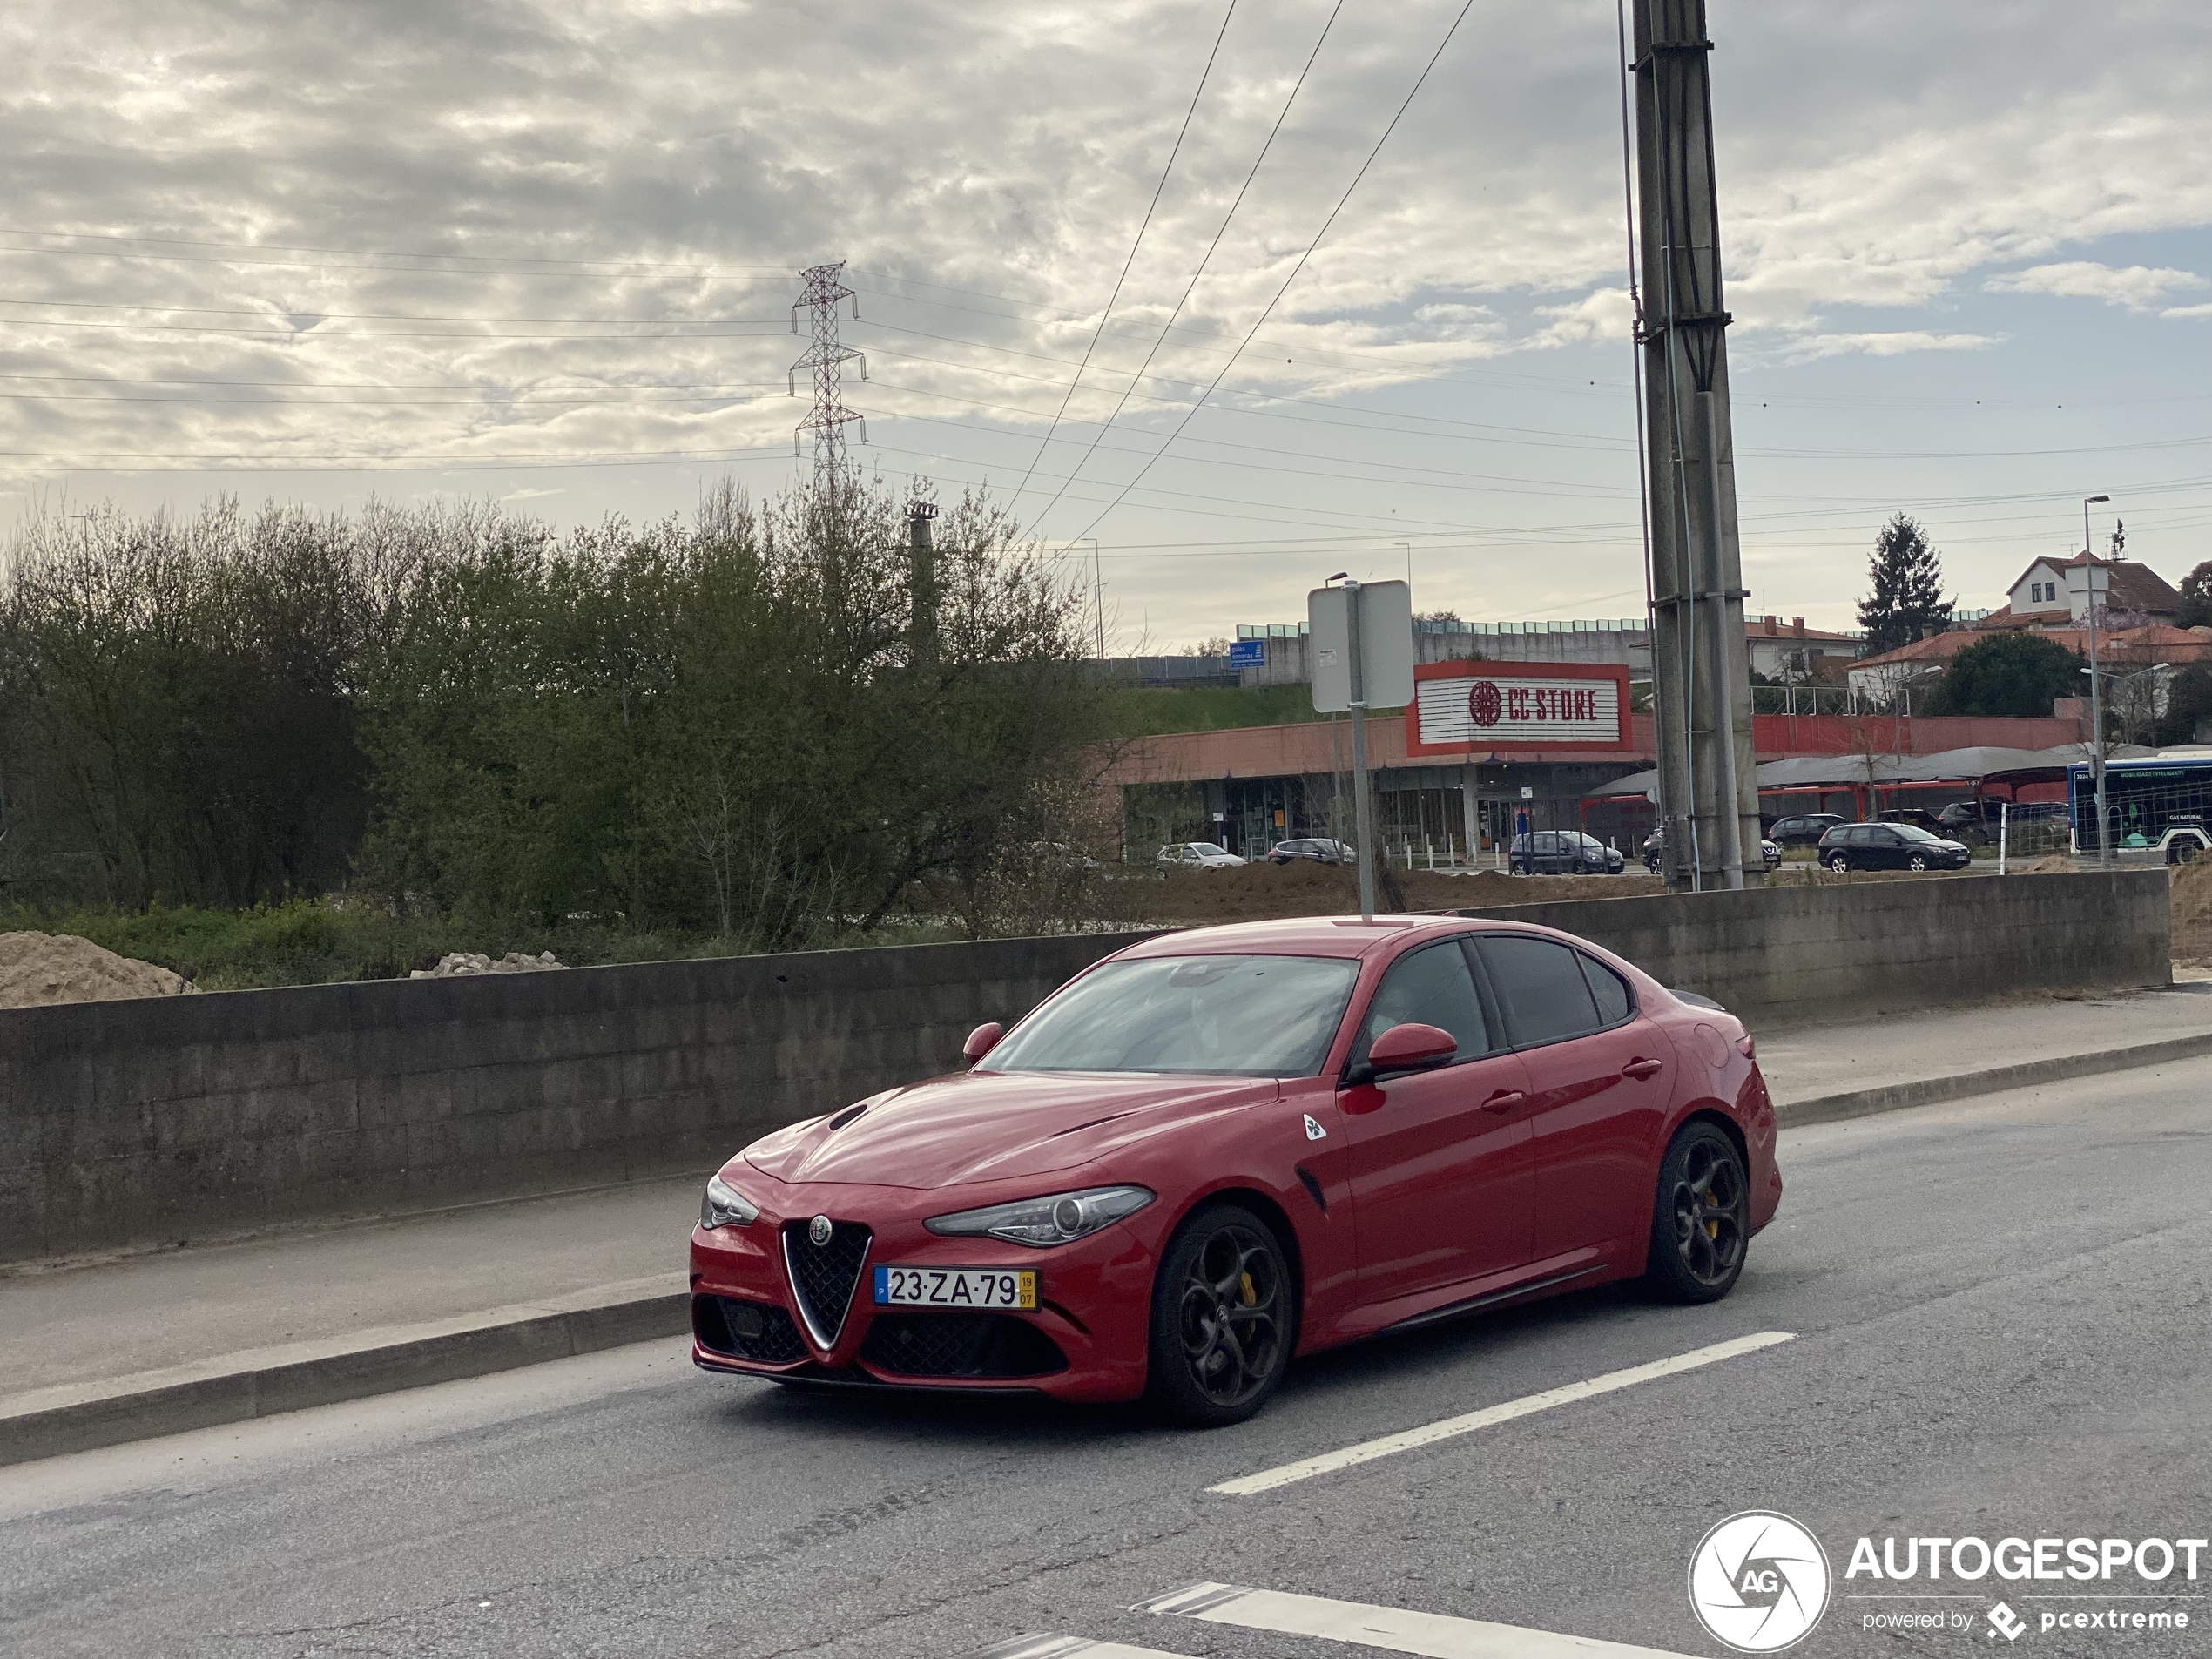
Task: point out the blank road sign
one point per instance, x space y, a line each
1386 646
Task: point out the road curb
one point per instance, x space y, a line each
144 1409
1932 1091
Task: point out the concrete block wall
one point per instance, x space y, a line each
139 1122
1808 955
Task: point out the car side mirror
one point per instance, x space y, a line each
982 1040
1410 1048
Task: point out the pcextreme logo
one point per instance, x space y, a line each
1758 1582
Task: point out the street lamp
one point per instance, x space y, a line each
2096 697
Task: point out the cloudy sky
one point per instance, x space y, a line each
545 253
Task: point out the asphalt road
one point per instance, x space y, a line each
2001 1328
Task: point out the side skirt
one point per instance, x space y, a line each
1494 1299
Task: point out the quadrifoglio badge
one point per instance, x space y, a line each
1760 1582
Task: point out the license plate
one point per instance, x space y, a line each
955 1287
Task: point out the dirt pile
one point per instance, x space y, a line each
37 969
459 964
2191 897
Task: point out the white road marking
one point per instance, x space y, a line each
1396 1629
1069 1648
1368 1450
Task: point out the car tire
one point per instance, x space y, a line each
1701 1223
1224 1318
1920 861
1839 863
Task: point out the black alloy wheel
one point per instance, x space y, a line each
1223 1319
1702 1219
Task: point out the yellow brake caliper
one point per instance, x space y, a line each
1712 1227
1244 1289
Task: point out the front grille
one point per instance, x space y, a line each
824 1276
753 1331
960 1345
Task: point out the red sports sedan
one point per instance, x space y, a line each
1219 1149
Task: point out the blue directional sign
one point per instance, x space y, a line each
1248 653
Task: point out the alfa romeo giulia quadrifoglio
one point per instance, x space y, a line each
1218 1150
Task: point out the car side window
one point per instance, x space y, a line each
1609 988
1431 985
1860 835
1540 988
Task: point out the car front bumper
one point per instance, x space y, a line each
1086 1339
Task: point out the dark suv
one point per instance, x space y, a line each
1916 817
1806 831
1890 846
1563 853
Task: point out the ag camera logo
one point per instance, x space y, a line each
1758 1582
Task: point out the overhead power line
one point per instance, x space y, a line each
1137 242
1281 116
1419 81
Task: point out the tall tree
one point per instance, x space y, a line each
2196 597
1907 603
2009 673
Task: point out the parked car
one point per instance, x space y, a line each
1804 830
1916 817
1562 853
1971 821
1654 851
1319 849
1890 846
1218 1147
1198 856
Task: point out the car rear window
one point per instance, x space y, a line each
1262 1017
1540 989
1610 990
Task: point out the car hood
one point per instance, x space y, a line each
988 1126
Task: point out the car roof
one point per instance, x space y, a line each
1309 936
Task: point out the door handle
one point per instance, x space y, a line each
1640 1069
1504 1101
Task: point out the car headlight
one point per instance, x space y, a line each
1044 1221
724 1206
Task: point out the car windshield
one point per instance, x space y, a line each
1207 850
1262 1017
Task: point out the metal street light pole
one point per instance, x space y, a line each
2096 680
1363 814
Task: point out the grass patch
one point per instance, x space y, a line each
1150 712
306 942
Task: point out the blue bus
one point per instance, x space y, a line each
2155 804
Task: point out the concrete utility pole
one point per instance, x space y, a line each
1701 664
921 579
